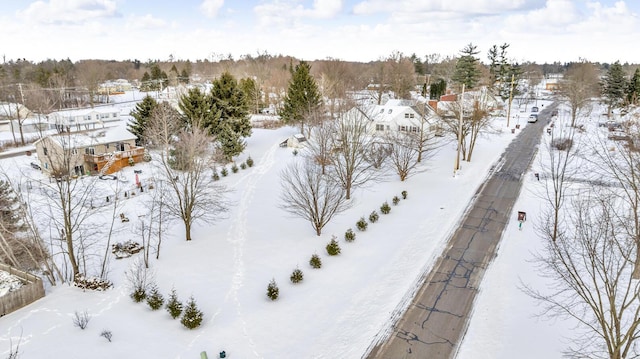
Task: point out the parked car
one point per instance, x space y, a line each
533 118
535 109
35 166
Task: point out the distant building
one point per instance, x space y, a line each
398 115
74 120
102 151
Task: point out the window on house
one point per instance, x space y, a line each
402 128
411 115
406 115
90 151
414 129
44 150
120 146
87 117
74 151
379 127
106 146
115 115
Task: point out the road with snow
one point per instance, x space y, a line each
434 323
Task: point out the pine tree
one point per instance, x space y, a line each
184 77
9 218
230 143
633 90
141 115
467 71
253 94
231 102
196 109
303 96
272 290
192 316
145 82
155 300
614 86
174 306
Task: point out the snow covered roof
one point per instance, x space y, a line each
93 138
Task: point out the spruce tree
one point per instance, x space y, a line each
192 316
174 306
196 109
145 82
9 218
614 86
141 115
303 96
633 90
228 99
253 94
155 300
184 77
467 71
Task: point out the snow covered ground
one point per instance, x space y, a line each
337 311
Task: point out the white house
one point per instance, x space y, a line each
84 119
399 115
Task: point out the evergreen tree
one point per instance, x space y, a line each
633 90
9 218
145 82
253 94
174 306
159 78
303 96
614 86
230 101
467 71
197 110
437 89
272 290
141 115
230 143
184 77
192 316
155 300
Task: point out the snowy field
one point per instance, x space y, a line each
337 311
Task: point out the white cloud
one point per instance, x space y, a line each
321 9
460 7
147 21
290 13
68 11
211 7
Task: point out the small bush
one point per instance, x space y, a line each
297 276
362 224
373 217
295 152
315 261
155 300
234 168
385 208
333 248
107 334
192 316
174 306
395 200
243 166
349 235
249 161
272 290
216 176
81 320
139 294
224 171
404 194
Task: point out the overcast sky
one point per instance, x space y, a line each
355 30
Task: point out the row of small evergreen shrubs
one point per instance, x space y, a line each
190 315
333 247
224 172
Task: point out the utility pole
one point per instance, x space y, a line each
510 99
457 163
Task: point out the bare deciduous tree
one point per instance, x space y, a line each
309 194
403 154
186 162
350 166
591 279
578 87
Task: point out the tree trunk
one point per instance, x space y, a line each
636 264
72 255
187 229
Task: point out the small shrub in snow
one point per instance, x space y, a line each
224 172
395 200
362 224
174 306
249 161
216 176
404 194
297 276
315 261
385 208
272 290
373 217
140 279
349 235
192 316
107 335
155 300
234 168
333 248
243 166
295 152
81 320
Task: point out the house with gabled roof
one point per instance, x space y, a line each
400 115
82 119
101 151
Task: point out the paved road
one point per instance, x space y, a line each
437 318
